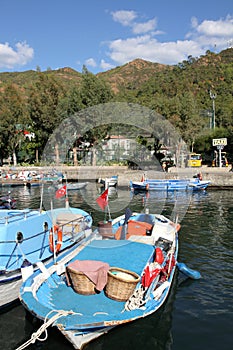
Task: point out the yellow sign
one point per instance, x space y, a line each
220 142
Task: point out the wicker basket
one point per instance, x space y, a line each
121 283
80 282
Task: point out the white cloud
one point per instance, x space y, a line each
208 35
90 62
194 22
150 49
128 19
9 57
105 65
218 28
212 34
124 17
140 28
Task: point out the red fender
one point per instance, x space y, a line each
159 255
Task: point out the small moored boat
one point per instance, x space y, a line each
122 273
29 236
192 184
76 186
109 181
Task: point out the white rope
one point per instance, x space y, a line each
43 329
136 300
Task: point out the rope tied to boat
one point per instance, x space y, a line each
43 329
136 300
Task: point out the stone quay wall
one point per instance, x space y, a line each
220 178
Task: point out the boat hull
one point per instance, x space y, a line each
86 317
109 182
169 185
25 241
76 186
9 292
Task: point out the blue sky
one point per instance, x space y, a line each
103 34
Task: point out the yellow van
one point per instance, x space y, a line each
194 160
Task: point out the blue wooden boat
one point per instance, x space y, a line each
192 184
29 236
122 273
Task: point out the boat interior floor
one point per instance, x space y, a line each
116 254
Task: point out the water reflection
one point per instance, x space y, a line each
198 314
178 202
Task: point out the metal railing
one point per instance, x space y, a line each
14 258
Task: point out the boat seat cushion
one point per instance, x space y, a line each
65 218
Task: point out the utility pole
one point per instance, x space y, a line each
213 97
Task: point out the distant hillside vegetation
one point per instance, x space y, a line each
130 75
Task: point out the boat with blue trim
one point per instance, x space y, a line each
29 236
192 184
121 273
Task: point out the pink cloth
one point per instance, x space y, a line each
96 271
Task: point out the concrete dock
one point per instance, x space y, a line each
220 178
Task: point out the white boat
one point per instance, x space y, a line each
29 236
73 186
123 274
109 181
76 186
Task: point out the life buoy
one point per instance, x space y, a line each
55 231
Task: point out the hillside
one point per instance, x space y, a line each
65 75
130 75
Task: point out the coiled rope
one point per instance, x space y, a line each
43 329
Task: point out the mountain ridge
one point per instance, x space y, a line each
131 74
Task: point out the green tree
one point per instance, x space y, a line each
43 103
14 119
94 90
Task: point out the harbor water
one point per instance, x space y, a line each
198 314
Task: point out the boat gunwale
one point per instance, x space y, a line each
109 323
